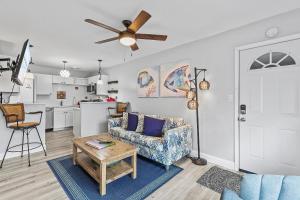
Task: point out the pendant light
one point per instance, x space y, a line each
100 81
64 73
204 84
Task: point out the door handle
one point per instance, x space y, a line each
242 119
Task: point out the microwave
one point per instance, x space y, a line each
92 88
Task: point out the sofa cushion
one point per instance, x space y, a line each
140 125
153 126
250 187
173 122
132 122
124 120
290 188
148 141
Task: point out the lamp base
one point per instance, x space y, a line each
199 161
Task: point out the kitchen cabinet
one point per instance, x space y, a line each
63 118
26 91
62 80
6 84
81 81
43 84
93 79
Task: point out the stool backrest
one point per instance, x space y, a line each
13 112
121 107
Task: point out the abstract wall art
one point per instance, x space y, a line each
148 82
174 79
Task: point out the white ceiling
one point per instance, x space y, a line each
57 29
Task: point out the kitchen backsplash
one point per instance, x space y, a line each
73 95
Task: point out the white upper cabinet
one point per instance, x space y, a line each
81 81
6 84
93 79
102 88
62 80
43 84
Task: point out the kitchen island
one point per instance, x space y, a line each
91 118
5 132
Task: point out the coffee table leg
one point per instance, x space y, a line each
133 164
102 184
74 154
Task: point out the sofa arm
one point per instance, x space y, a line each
178 137
114 122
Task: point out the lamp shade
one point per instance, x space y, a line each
192 104
64 73
204 85
190 94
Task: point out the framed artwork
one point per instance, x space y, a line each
148 82
61 95
174 79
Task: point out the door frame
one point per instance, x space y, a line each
237 88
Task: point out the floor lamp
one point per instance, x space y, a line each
192 96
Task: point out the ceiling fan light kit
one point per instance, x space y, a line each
129 36
127 39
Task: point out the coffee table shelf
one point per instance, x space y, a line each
113 171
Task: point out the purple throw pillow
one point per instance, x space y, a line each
132 122
153 127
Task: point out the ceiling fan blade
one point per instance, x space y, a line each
139 21
102 25
151 37
134 47
107 40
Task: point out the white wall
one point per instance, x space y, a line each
216 106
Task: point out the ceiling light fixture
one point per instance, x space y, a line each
127 39
100 81
64 73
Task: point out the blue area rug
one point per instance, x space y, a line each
78 185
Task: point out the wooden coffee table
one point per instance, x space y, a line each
102 164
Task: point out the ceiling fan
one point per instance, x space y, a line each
130 35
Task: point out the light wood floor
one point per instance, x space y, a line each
18 181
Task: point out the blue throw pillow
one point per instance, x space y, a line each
153 127
132 122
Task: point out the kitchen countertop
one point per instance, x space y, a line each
95 102
62 106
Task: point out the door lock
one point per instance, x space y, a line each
242 119
243 109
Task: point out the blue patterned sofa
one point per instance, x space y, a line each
175 144
266 187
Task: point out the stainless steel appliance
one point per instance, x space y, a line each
92 88
49 118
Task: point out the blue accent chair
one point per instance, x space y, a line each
266 187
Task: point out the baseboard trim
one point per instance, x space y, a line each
18 154
215 160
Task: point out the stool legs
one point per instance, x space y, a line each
22 143
28 147
41 140
7 148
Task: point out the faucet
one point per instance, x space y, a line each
74 100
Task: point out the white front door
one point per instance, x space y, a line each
270 90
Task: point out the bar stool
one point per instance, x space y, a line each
119 109
14 115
